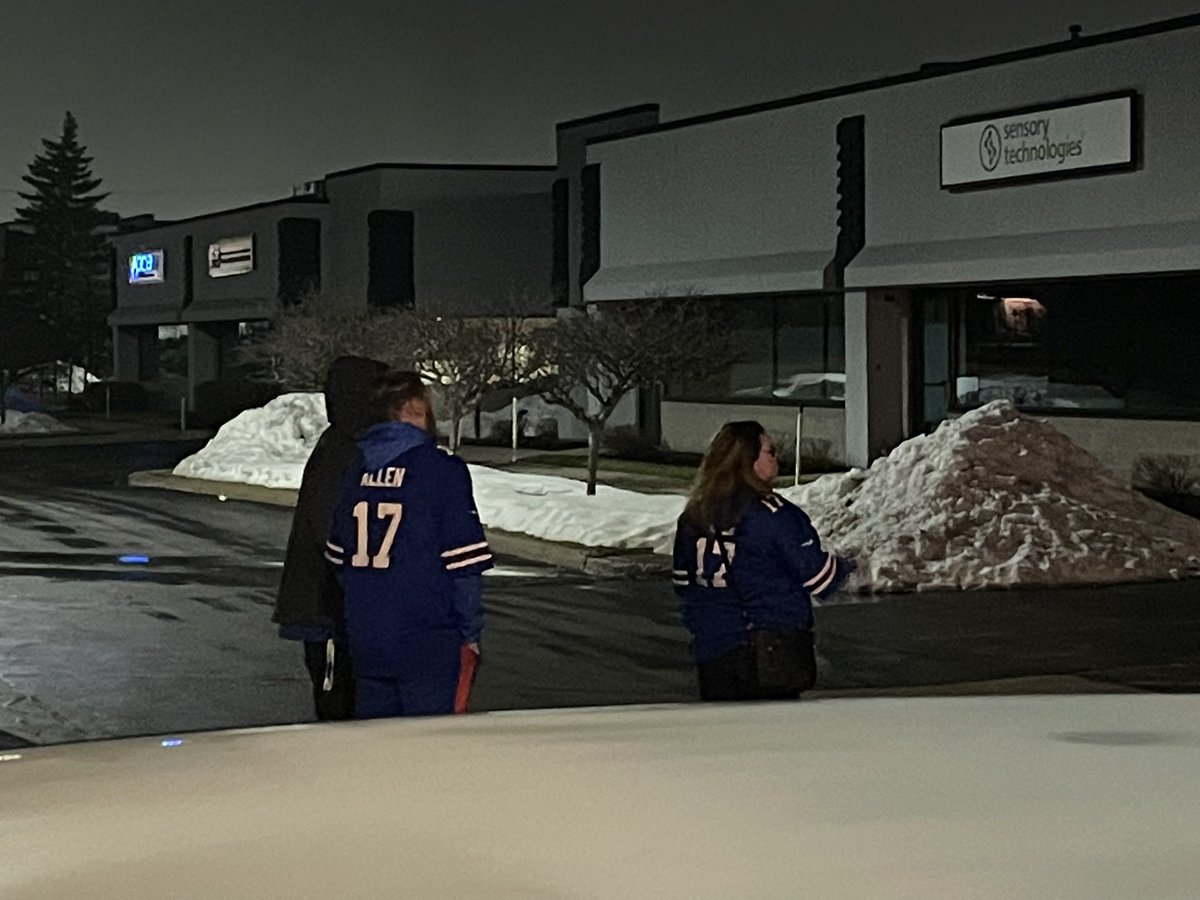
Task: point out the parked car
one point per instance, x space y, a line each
1034 796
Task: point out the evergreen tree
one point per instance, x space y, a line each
68 249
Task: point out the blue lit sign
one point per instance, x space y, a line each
146 267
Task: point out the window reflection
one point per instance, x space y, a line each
790 348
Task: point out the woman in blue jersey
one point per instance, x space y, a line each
747 564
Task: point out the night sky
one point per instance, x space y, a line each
195 107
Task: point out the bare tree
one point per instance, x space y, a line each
464 357
596 357
467 357
307 337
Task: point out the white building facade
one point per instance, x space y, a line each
890 254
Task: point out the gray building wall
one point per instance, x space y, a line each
571 142
1138 221
237 297
476 230
748 203
484 254
742 205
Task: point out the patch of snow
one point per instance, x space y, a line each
32 423
993 498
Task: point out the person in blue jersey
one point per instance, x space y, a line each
747 564
308 606
408 548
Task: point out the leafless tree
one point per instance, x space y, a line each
304 339
467 357
596 357
464 357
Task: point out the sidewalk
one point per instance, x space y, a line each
597 561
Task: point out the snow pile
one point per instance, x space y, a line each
996 498
557 509
32 423
267 446
991 499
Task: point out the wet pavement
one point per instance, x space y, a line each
129 611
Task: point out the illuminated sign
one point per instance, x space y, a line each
231 256
146 267
1041 142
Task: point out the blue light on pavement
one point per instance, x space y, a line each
173 742
133 560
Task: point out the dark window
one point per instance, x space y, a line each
390 258
589 201
299 258
790 349
559 277
188 268
1114 347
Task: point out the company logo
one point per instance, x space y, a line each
989 148
146 267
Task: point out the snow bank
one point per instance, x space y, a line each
991 499
996 498
266 446
32 423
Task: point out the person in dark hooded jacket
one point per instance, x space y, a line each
309 605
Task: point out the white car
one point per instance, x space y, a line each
1034 796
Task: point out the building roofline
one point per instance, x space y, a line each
456 167
927 71
605 116
167 223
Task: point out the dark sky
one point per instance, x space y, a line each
192 107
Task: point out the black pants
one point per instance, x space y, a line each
337 702
734 675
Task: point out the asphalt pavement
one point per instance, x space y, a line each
95 647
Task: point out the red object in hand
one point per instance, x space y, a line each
468 664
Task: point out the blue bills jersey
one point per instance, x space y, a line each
408 547
763 573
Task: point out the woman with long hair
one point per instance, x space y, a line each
747 564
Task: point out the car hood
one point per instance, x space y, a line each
1090 796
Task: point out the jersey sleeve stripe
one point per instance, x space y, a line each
335 560
819 589
826 570
468 562
334 547
469 548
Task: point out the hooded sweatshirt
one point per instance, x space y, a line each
309 603
408 548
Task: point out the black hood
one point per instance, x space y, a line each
349 389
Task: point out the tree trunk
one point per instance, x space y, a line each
595 433
3 397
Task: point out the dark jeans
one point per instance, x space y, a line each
338 702
734 675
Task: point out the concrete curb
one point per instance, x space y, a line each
601 562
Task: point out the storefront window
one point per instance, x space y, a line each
791 349
1113 347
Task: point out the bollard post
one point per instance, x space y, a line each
514 429
183 413
108 401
